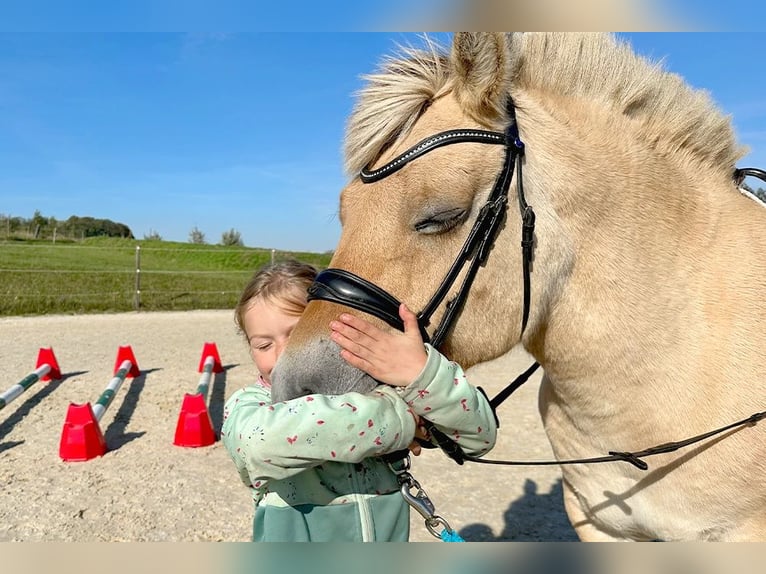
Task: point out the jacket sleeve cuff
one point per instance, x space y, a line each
426 376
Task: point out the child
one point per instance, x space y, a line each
313 463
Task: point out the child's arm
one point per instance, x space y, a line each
274 441
433 386
443 395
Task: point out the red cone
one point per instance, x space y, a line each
126 353
194 427
81 437
46 357
208 350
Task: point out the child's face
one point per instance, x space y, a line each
268 328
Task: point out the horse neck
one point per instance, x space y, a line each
612 224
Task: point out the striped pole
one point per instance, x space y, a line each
194 427
114 385
23 385
47 369
207 375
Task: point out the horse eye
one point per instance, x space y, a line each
441 222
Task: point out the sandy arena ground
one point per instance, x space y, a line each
146 489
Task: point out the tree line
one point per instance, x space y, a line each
232 237
78 228
75 227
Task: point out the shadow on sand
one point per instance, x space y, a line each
218 399
115 435
535 517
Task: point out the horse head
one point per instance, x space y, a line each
406 219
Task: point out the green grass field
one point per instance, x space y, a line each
99 275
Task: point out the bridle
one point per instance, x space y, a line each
345 288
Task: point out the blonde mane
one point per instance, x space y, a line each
668 113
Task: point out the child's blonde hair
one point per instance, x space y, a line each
285 283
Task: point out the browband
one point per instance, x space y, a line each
426 145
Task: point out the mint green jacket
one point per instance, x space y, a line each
313 463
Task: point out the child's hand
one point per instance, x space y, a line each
391 357
420 432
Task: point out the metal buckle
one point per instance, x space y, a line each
419 501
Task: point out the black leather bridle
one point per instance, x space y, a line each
346 288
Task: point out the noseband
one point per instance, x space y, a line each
346 288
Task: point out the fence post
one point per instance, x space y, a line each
137 298
272 256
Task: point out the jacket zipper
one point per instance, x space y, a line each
365 512
365 515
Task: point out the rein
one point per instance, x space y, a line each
455 452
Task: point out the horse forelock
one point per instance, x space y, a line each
666 112
392 101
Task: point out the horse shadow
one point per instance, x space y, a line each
115 435
535 517
31 401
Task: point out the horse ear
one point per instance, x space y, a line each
482 66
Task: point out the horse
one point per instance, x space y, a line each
626 263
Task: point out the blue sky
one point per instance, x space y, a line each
167 131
